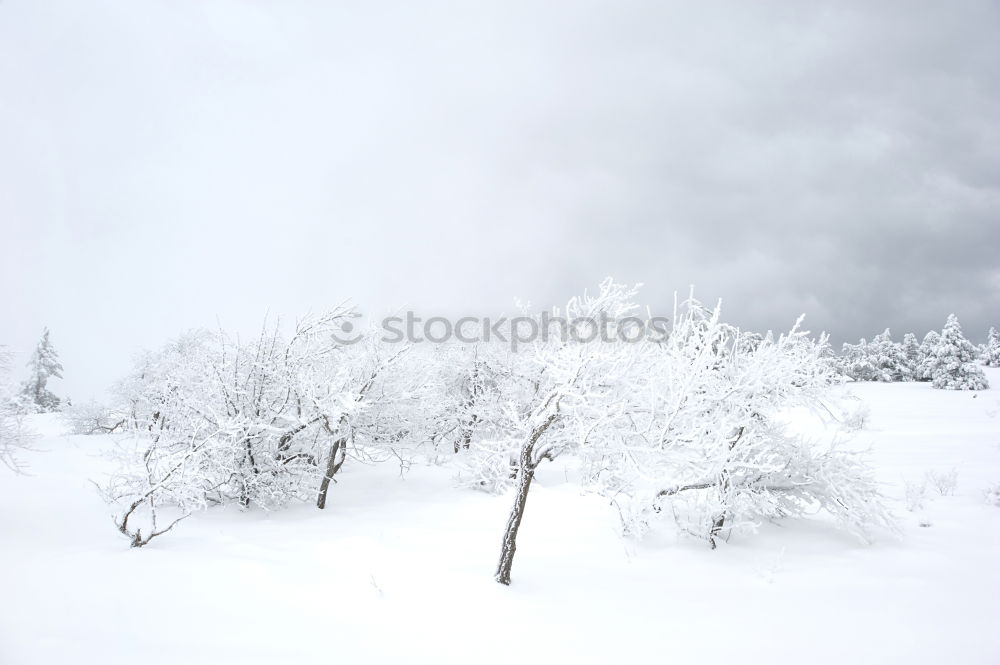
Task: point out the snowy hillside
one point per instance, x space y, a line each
399 568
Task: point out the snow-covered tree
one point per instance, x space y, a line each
579 401
387 412
712 447
471 378
879 360
911 358
856 362
887 358
926 363
14 435
954 361
991 357
692 425
485 399
214 420
43 365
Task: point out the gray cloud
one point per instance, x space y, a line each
171 164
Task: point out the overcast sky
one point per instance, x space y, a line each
166 164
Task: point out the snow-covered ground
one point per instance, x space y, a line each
399 570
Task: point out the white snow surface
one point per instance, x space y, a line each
399 569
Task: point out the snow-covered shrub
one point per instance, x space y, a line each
954 361
914 494
157 475
993 494
945 482
93 418
856 418
14 433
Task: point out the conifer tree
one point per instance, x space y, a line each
856 362
886 358
954 361
44 365
992 356
911 357
926 364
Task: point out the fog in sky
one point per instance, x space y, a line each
167 164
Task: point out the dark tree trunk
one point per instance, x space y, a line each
465 440
527 473
332 467
717 525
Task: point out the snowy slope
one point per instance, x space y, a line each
399 570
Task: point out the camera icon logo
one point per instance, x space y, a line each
347 335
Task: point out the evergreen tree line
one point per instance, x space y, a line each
946 359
